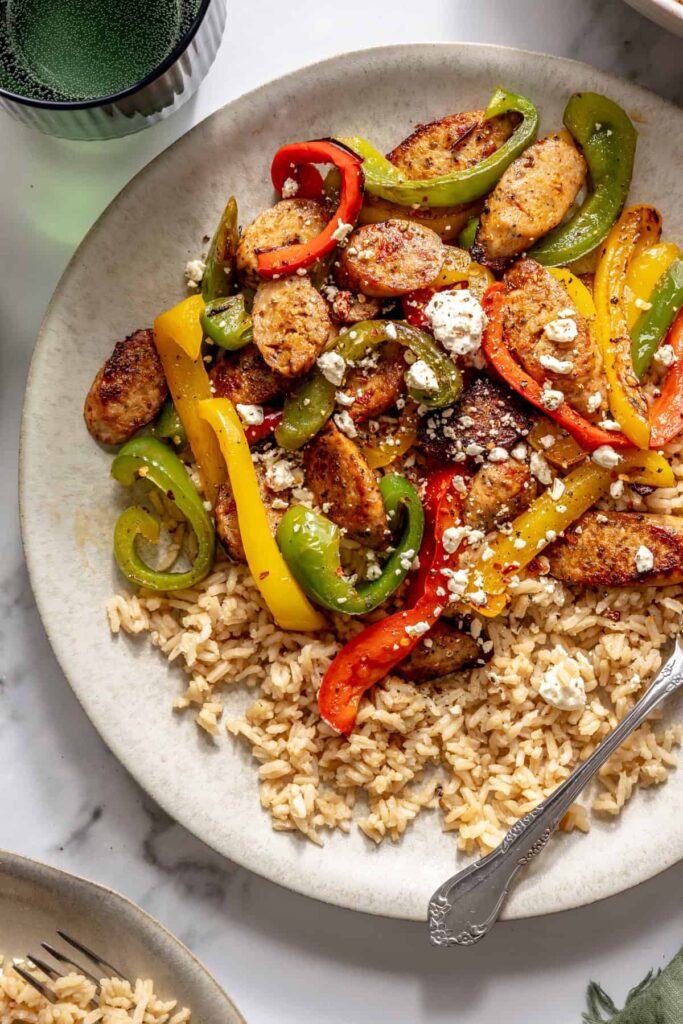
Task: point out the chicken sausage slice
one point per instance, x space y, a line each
291 325
128 391
287 223
244 377
451 143
443 651
376 389
390 258
499 492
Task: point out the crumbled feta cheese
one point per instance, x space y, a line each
563 687
610 425
554 364
194 272
390 329
457 320
373 572
251 414
519 452
452 538
422 377
642 304
556 489
290 187
594 401
645 560
548 440
281 476
606 456
419 629
519 543
498 454
540 468
457 581
551 398
345 424
617 488
344 399
478 597
562 331
332 366
665 355
342 230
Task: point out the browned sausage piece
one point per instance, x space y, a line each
499 492
291 325
244 377
452 143
443 651
376 389
488 415
534 194
350 308
535 300
225 511
619 549
344 486
390 258
287 223
128 391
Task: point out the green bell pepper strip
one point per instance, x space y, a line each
310 406
309 543
466 236
653 324
220 262
151 459
463 186
227 322
169 425
607 139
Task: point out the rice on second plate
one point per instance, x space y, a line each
485 748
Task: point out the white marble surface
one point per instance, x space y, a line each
282 957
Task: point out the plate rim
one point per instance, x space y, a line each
300 885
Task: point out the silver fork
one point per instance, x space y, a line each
102 966
464 909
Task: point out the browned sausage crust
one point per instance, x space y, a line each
452 143
291 325
443 651
344 486
488 415
534 194
128 391
390 258
535 299
601 550
351 307
244 377
287 223
499 492
375 390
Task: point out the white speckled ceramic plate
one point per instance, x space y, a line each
131 265
667 13
36 900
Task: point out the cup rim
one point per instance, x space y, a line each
102 101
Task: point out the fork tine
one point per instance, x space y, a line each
114 972
42 989
42 966
62 959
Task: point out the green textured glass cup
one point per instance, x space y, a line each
88 69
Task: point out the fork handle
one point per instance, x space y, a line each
465 908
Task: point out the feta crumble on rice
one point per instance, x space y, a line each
422 377
332 366
606 456
594 401
342 230
563 330
194 272
645 560
563 687
290 187
251 414
555 365
457 320
345 423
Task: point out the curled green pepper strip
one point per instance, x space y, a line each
220 263
310 406
152 459
227 322
653 324
309 543
607 139
463 186
169 425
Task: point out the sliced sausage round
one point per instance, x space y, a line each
244 377
376 389
287 223
291 324
390 258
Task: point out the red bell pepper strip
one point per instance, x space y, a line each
287 259
666 415
496 351
414 305
259 431
372 654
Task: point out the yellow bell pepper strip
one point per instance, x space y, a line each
544 521
607 138
576 290
286 601
178 338
381 450
220 263
643 273
383 179
637 229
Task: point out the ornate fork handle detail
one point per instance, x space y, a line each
466 907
